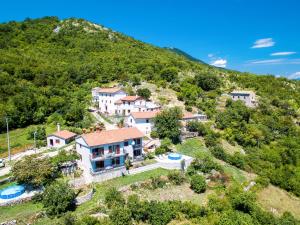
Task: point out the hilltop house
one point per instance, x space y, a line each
60 138
129 104
106 150
248 97
114 101
142 120
105 98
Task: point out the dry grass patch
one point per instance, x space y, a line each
278 201
171 192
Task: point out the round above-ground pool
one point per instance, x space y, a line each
12 191
174 156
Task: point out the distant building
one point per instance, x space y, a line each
188 116
106 150
142 120
248 97
60 138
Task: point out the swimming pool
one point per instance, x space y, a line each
12 191
174 156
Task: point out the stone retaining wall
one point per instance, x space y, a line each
82 199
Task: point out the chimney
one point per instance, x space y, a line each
84 130
58 127
91 129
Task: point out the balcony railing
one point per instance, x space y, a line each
96 157
106 170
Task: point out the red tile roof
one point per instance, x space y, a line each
144 115
131 98
111 136
189 115
109 90
64 134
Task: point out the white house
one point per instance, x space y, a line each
142 120
60 138
106 98
129 104
106 150
248 97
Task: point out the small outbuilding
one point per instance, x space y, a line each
60 138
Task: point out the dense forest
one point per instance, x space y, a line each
48 67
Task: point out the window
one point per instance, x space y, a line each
57 141
115 161
130 120
147 121
99 164
137 152
137 141
128 110
114 149
126 143
98 151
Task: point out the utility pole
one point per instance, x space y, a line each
7 134
34 137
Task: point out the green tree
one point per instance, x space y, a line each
167 124
207 82
120 216
169 74
144 92
58 198
34 171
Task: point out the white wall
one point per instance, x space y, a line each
61 143
108 100
141 124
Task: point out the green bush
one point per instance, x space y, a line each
219 152
157 182
58 198
120 216
144 92
176 177
198 183
159 213
114 198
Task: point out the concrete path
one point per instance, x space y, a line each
108 126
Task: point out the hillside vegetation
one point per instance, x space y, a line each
48 67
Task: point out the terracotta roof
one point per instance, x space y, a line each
64 134
189 115
118 102
111 136
144 115
131 98
109 90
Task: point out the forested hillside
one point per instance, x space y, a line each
48 67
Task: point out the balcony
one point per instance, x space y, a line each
97 157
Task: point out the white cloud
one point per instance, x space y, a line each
267 61
282 53
294 75
263 43
210 55
219 63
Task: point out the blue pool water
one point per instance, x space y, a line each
174 156
12 191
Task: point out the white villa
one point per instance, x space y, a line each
60 138
142 120
105 150
114 101
248 97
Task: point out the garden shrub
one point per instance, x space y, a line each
176 177
113 198
198 183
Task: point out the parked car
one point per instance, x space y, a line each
2 163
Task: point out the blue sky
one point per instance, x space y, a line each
238 34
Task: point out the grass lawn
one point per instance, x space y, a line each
231 149
26 211
278 201
235 173
18 140
191 147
